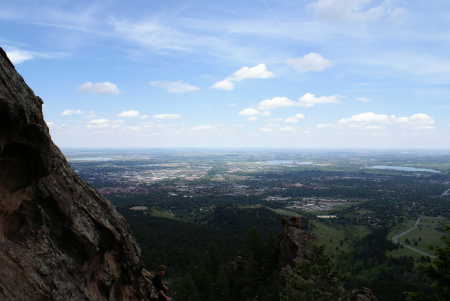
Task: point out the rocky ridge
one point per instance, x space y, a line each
59 239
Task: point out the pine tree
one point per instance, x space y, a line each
186 289
312 278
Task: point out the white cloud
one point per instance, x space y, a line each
19 56
99 122
202 127
175 86
366 118
225 84
355 10
253 112
309 100
70 112
418 120
295 119
362 99
104 123
129 114
99 88
310 62
252 118
276 102
257 72
167 116
370 120
250 112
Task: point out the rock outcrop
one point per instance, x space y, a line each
307 272
59 239
295 241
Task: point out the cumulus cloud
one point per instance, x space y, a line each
104 123
309 100
129 114
253 112
70 112
362 99
249 112
370 120
276 102
99 88
19 56
295 119
419 120
310 62
367 118
167 116
175 86
257 72
225 84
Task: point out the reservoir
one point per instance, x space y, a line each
404 168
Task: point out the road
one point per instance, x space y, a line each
395 239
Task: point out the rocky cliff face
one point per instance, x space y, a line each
59 239
295 241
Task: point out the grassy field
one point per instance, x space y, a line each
157 212
337 238
428 233
285 212
425 237
282 212
401 227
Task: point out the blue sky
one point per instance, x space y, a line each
261 73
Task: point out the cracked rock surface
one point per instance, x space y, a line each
59 239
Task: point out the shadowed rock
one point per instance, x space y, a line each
59 239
